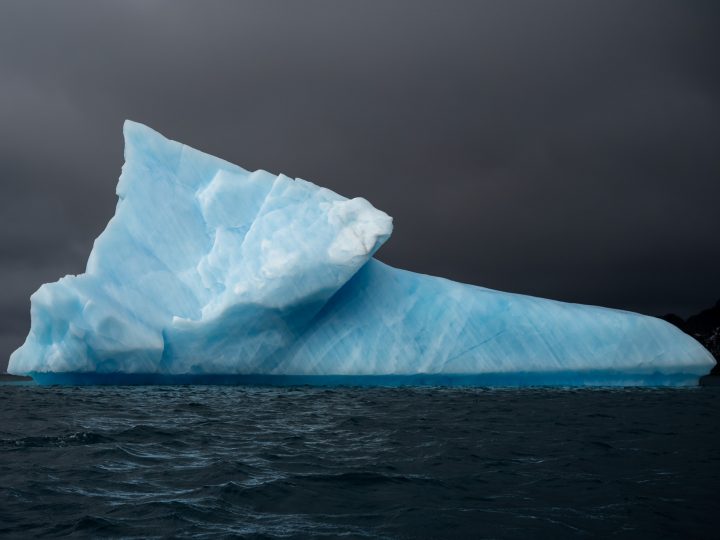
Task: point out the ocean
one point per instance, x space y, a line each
299 462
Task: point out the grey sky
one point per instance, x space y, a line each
562 149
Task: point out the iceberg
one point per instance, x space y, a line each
209 273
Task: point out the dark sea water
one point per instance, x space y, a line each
220 461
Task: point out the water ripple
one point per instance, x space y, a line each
202 462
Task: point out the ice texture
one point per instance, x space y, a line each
209 272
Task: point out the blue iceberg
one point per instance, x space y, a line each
210 273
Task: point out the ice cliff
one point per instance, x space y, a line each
208 272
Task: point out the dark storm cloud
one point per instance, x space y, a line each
563 149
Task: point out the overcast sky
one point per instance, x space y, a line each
562 149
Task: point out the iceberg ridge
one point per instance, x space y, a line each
207 271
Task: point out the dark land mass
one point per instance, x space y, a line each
6 377
705 327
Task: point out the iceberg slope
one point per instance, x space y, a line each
390 321
208 269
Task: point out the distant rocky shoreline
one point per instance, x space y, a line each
705 327
6 377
